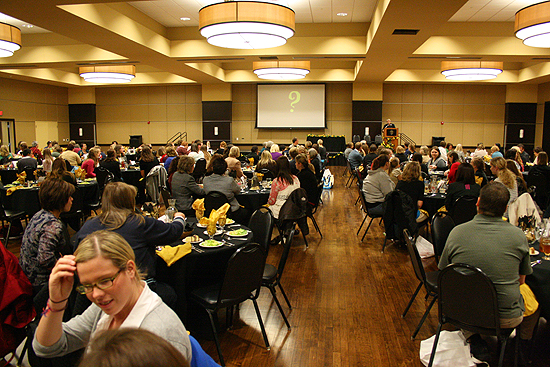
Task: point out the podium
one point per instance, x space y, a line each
390 137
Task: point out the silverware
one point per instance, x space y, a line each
227 243
536 262
197 249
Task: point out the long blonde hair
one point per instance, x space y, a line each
265 158
118 204
411 172
506 176
109 245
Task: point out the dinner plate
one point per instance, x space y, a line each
188 239
205 244
237 235
219 231
534 254
201 225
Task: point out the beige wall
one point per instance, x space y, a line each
125 111
338 116
470 114
30 102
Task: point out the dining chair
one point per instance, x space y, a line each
313 205
103 177
10 216
272 275
468 300
442 225
267 173
365 209
261 224
200 170
426 279
464 210
213 201
242 281
166 195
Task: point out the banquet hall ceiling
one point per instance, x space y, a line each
358 47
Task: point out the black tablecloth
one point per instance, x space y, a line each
336 159
8 175
131 176
196 270
253 200
331 143
432 203
539 282
27 200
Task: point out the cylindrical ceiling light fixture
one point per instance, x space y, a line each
532 25
108 74
281 70
471 70
10 39
246 24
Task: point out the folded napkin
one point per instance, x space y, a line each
12 189
172 254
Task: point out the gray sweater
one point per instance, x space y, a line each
185 190
225 185
377 185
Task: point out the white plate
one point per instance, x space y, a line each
219 231
237 235
219 244
201 225
187 240
535 254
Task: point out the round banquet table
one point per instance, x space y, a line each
27 200
432 203
198 269
8 175
253 199
539 282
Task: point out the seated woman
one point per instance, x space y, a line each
233 162
90 164
283 184
393 170
463 186
110 278
454 162
219 182
522 185
266 162
59 171
147 161
377 185
400 154
5 155
460 151
112 165
275 152
316 162
369 157
172 169
417 157
170 154
479 168
436 162
144 234
506 177
412 184
184 188
306 175
47 163
43 239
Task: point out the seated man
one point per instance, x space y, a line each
355 157
501 251
27 161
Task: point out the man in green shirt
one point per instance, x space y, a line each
500 250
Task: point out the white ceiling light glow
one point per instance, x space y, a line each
281 70
471 70
108 74
532 25
10 39
246 24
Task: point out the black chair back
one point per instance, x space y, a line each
442 225
415 257
103 177
243 275
200 170
465 209
425 176
68 165
165 193
30 173
538 179
213 201
314 202
261 224
468 299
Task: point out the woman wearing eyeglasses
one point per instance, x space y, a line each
109 277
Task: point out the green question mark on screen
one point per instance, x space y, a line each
295 98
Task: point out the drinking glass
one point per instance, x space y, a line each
544 242
211 229
171 210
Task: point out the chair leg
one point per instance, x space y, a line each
20 359
361 226
284 295
502 346
424 318
215 332
8 234
261 324
411 300
364 234
305 239
356 201
316 225
274 294
432 356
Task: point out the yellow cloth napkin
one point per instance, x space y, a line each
172 254
12 189
529 299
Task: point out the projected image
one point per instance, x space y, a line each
291 106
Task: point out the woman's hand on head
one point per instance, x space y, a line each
62 278
179 215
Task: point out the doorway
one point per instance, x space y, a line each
7 134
